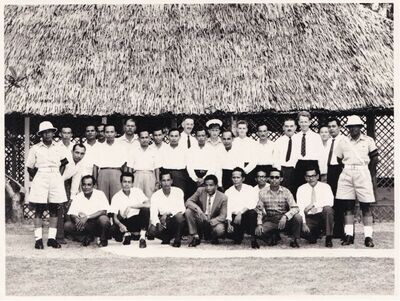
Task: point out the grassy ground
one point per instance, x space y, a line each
75 270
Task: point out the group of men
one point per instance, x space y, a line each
204 184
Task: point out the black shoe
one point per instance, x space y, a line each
176 243
368 242
165 242
39 244
149 237
193 242
214 241
142 243
127 240
119 239
51 242
273 240
237 241
312 241
62 241
328 242
294 244
348 240
135 236
254 244
103 243
86 241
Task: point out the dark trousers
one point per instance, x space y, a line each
334 172
300 172
180 180
288 178
134 224
251 176
226 179
192 185
294 225
174 228
62 210
196 226
94 227
320 222
248 225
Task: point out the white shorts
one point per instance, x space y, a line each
355 183
47 187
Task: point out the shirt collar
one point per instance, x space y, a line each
53 143
362 137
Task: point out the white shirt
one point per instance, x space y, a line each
264 153
144 159
201 158
257 189
246 152
184 138
227 160
41 155
74 170
174 158
337 140
323 195
89 158
162 204
129 145
120 202
280 151
97 201
113 155
237 200
314 149
67 149
217 146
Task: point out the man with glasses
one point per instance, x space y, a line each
315 201
277 211
261 180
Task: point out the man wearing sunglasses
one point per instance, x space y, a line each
315 200
277 211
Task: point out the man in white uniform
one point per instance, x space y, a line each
90 144
214 129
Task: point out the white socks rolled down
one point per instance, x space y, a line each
349 229
52 233
38 233
142 234
368 231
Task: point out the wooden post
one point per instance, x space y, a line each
26 148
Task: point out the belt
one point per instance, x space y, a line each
49 169
354 166
101 168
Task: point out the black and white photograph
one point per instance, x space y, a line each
199 149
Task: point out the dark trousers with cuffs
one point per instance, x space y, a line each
300 172
334 172
99 226
174 227
320 222
294 225
62 210
226 179
196 226
288 178
134 224
248 225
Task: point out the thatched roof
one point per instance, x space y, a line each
152 59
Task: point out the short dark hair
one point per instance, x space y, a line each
129 119
243 174
310 168
90 125
65 126
109 124
78 144
333 119
199 129
276 170
260 124
174 130
165 172
141 130
126 174
157 128
101 124
211 177
88 177
227 131
243 122
289 119
322 126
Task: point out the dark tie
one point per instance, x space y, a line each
289 149
331 151
188 141
303 145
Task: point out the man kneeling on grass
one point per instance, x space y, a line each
206 212
277 210
88 213
167 212
315 200
131 212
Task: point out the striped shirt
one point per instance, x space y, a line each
272 203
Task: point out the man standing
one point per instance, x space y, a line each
88 214
109 164
284 155
187 141
129 139
228 160
174 159
277 210
315 200
206 212
65 141
90 144
214 129
131 212
101 138
334 171
167 212
201 161
356 152
158 141
241 213
146 165
46 163
72 178
308 150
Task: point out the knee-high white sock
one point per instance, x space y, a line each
349 229
38 233
143 234
368 231
52 233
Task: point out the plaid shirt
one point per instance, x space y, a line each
273 203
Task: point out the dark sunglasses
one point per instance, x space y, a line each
274 177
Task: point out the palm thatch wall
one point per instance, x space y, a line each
196 59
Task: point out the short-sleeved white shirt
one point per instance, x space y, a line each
161 204
97 201
41 155
110 155
120 201
247 197
351 151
